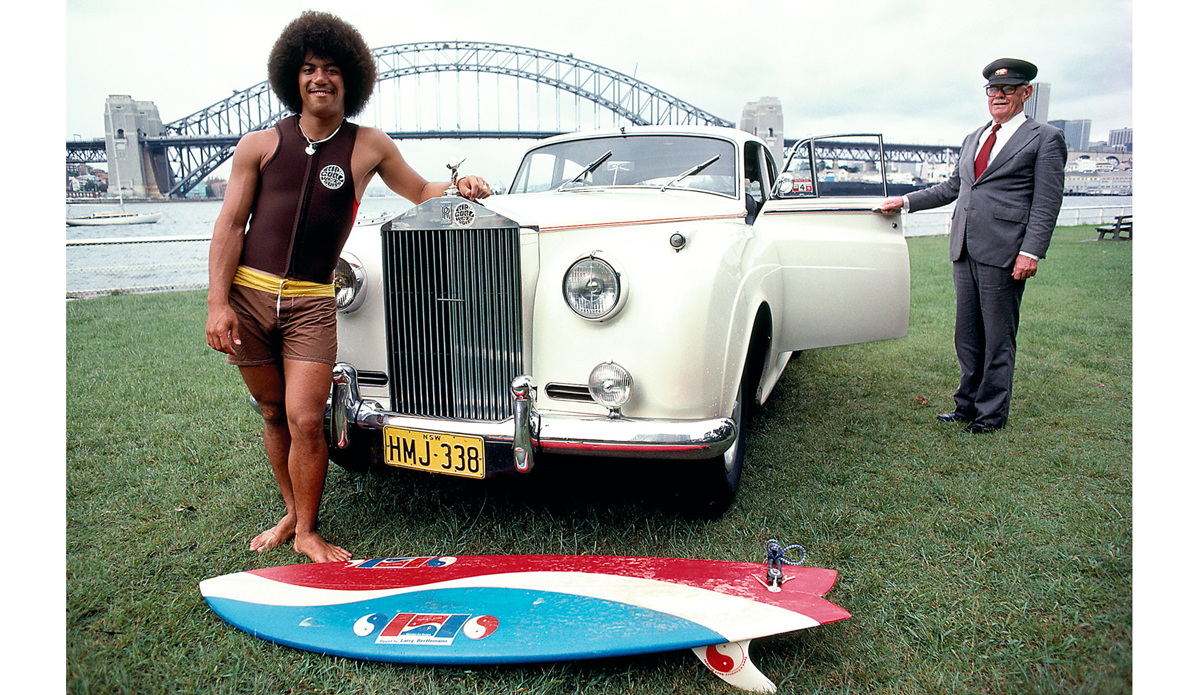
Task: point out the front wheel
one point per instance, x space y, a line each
717 479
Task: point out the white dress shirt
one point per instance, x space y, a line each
1002 136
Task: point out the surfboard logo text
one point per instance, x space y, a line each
405 563
425 628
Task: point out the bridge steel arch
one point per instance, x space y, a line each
627 97
194 146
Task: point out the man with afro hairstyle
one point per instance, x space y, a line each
329 37
290 203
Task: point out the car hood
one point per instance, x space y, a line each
559 210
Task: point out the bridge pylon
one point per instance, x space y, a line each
138 172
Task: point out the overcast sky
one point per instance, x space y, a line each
910 70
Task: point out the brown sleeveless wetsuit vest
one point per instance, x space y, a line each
304 208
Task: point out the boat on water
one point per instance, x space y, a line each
106 218
122 217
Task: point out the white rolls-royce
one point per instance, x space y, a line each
631 293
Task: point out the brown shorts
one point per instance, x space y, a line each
273 327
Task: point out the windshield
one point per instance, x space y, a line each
634 160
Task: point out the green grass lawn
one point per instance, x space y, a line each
996 563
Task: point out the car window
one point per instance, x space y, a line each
797 178
683 162
830 167
760 170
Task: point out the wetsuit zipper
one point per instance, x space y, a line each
297 223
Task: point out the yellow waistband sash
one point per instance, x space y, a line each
280 287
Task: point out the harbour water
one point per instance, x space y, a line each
173 254
181 262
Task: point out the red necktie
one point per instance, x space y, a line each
981 161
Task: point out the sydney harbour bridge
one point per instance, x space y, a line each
451 90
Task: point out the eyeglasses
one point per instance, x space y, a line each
1008 89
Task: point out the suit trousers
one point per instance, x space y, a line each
985 338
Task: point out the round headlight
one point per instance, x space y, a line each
610 385
592 288
349 283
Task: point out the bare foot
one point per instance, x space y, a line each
318 550
273 537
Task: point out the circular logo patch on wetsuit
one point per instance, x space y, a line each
332 177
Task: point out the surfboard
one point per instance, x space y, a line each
492 609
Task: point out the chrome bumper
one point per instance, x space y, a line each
530 432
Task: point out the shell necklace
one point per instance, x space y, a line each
311 148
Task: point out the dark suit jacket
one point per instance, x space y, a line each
1014 205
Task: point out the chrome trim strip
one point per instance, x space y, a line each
596 435
636 437
631 223
522 391
568 392
343 406
826 209
372 378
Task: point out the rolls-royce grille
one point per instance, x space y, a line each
453 321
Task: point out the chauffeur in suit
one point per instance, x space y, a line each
1009 187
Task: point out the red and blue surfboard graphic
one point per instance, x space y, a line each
510 609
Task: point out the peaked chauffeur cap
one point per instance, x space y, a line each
1010 71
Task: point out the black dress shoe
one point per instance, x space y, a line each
953 417
982 427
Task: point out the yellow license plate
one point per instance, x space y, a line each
435 452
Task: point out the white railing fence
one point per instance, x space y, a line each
937 222
136 265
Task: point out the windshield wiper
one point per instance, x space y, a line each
587 169
690 172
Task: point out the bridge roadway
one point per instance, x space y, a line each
92 151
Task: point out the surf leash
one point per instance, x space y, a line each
776 559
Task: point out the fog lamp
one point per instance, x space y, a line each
610 385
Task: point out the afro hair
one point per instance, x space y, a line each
328 37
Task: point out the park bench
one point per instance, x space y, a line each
1121 229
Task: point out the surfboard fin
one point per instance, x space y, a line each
731 662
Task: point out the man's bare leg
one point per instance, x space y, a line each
306 390
266 385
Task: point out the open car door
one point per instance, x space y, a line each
844 265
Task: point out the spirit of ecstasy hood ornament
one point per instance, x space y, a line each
453 189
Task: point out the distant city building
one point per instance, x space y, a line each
1121 138
126 122
83 181
764 118
1037 106
1099 173
215 187
1078 132
1098 182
